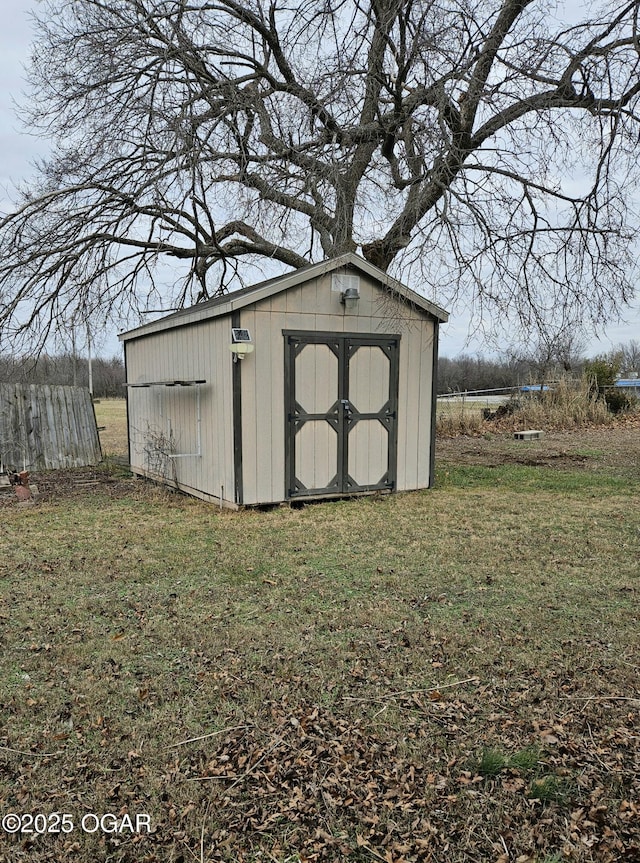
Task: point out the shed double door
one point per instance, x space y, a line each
341 394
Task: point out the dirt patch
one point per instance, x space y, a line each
72 482
612 448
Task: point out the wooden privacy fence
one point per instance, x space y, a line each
47 427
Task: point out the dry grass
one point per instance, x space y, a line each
322 683
458 416
568 405
111 416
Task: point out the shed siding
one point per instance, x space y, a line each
263 418
187 353
414 433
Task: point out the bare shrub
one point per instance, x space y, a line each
567 404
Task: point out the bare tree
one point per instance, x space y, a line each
548 355
489 144
629 353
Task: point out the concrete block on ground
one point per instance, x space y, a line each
529 434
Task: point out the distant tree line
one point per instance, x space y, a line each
460 374
66 369
466 373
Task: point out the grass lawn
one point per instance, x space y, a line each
440 676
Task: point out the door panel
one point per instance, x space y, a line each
341 394
317 455
369 373
316 378
368 379
368 453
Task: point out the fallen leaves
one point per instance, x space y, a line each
326 787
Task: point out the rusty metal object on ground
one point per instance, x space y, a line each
20 481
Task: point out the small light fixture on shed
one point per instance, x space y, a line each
349 298
241 343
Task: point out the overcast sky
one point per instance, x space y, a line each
18 150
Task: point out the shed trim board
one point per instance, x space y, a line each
237 419
434 407
334 400
128 412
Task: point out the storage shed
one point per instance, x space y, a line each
318 383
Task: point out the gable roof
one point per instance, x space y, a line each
228 303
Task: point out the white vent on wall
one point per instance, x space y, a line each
340 282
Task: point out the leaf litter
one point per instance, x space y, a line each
303 782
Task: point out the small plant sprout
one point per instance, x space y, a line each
491 762
548 789
526 759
